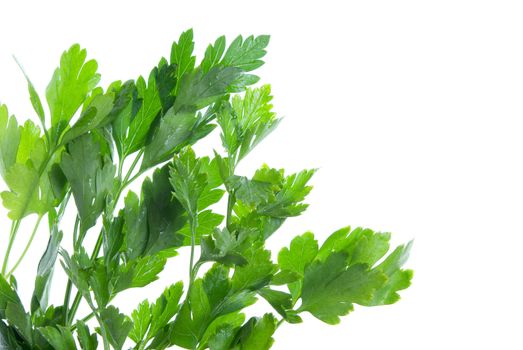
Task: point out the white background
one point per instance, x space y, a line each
411 110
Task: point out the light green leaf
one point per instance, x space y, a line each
330 288
9 140
260 335
247 54
7 295
141 318
33 96
257 272
181 54
69 87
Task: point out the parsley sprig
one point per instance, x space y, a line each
93 143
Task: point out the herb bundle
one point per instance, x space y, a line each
92 143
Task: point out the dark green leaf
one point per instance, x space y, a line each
117 325
93 116
7 295
87 340
91 177
59 337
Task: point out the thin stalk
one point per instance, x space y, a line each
69 286
84 320
230 205
102 327
12 235
192 274
27 245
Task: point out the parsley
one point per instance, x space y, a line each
93 143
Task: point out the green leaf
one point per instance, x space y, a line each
302 251
223 247
288 201
247 121
181 54
209 299
165 307
173 132
166 81
246 54
213 54
153 224
8 338
7 295
69 87
260 333
19 319
127 103
150 106
59 337
117 325
330 287
187 180
9 140
141 318
87 340
45 271
398 279
257 272
93 116
139 272
250 192
30 191
33 96
91 177
198 89
281 302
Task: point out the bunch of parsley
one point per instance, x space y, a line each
93 143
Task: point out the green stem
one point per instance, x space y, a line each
84 320
27 246
230 205
194 226
102 327
12 235
69 286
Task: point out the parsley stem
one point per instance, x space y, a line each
69 286
12 235
27 246
192 272
230 205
